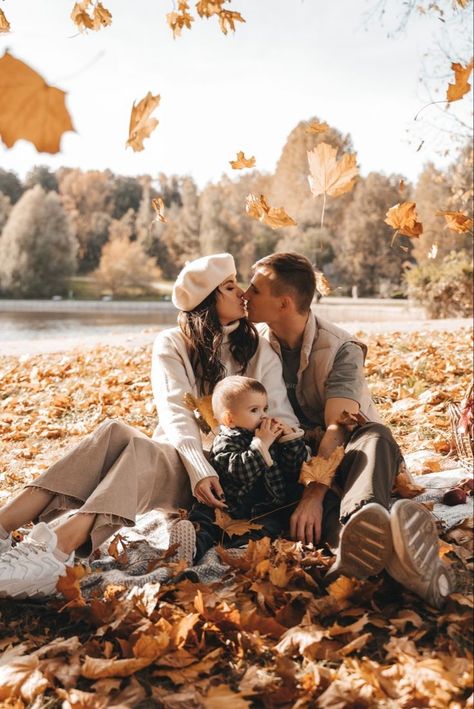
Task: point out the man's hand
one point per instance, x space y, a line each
268 431
209 492
306 520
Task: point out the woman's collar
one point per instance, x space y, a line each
227 329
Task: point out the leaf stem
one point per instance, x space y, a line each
323 210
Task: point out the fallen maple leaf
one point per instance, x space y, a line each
20 675
159 207
274 217
234 527
342 588
406 487
316 127
30 109
180 18
113 549
328 176
141 125
356 644
461 85
4 24
321 470
456 221
68 584
220 696
404 219
241 161
322 283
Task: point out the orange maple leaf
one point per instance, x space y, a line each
203 408
404 219
68 584
159 207
227 20
316 127
456 221
329 176
241 161
321 470
46 117
274 217
141 125
4 24
179 18
113 549
100 17
234 527
461 84
322 283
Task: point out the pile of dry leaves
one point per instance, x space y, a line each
271 635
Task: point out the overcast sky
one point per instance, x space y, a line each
293 59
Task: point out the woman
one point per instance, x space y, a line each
118 472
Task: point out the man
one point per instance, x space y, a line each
323 372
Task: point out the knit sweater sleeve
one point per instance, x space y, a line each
170 382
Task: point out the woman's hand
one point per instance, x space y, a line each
268 431
209 492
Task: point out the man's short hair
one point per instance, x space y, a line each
227 392
294 275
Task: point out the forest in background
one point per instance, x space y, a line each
54 225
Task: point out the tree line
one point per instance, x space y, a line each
57 224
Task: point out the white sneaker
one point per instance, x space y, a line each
184 534
415 563
365 544
30 568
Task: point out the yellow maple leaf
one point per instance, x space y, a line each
316 127
274 217
46 117
202 406
84 20
141 125
227 20
241 161
456 221
461 84
404 219
180 18
342 588
102 17
322 283
321 470
4 24
329 176
234 527
159 207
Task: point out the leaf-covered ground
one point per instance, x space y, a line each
270 637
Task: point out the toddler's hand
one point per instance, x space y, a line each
268 431
285 429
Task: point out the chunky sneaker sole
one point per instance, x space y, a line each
5 545
184 534
416 563
365 544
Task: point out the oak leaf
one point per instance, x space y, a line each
321 470
44 120
274 217
456 221
180 18
461 84
234 527
316 127
328 175
159 207
241 161
404 219
141 124
4 24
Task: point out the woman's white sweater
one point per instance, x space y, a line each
173 376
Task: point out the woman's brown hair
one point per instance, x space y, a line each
204 334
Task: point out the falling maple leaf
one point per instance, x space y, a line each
274 217
180 18
4 24
227 18
328 176
234 527
321 470
322 283
316 127
159 207
141 125
30 109
456 221
404 219
461 84
84 20
241 161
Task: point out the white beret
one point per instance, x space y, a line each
198 278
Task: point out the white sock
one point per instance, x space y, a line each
60 555
3 533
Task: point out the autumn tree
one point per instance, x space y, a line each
365 256
41 175
37 247
432 193
10 185
5 209
126 194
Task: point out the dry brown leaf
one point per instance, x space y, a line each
241 161
234 527
342 588
146 650
456 221
274 217
221 696
202 407
141 124
180 18
20 676
321 470
227 20
461 84
316 127
406 487
356 644
4 24
44 120
328 175
113 549
68 585
159 207
322 283
84 20
404 219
